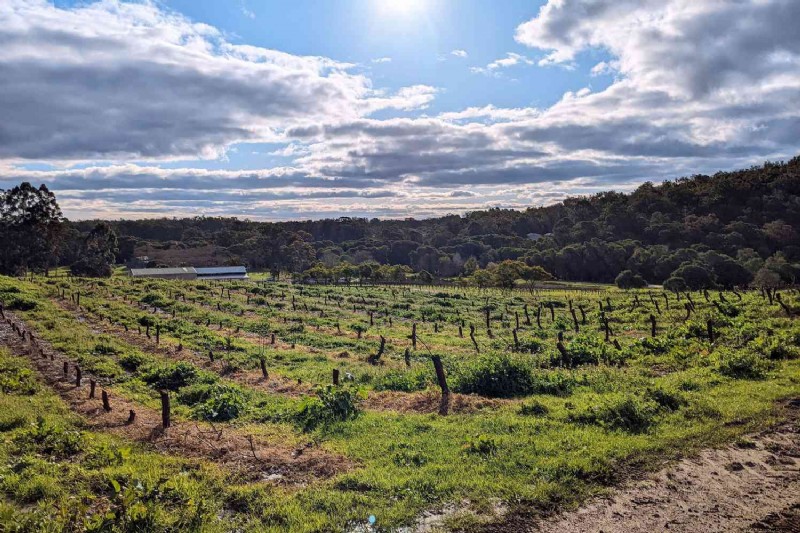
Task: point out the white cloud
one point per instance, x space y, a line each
698 86
382 60
511 59
119 80
459 53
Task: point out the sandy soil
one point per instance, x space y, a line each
750 486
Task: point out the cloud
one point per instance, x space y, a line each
511 59
382 60
697 87
459 53
118 80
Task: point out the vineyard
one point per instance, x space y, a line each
161 405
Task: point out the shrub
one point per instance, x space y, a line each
742 364
331 404
592 350
193 394
46 438
627 413
224 402
171 377
496 376
132 361
669 400
628 280
21 303
533 408
16 378
776 348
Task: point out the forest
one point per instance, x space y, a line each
695 232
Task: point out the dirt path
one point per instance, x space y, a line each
249 458
751 486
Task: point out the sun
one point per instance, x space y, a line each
402 8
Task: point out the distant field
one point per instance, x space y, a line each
533 423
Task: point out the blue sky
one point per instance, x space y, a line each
308 109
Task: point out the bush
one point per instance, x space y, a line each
171 377
16 378
742 364
592 350
533 408
627 413
669 400
132 361
628 280
21 303
49 439
224 402
496 376
331 404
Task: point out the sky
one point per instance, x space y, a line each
276 110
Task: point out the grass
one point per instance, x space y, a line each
569 426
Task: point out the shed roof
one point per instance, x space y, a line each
162 271
206 271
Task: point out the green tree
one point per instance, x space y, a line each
695 275
97 253
30 225
628 280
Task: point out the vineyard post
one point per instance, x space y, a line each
106 403
444 406
165 415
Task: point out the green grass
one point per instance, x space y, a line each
569 426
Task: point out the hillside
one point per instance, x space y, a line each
748 216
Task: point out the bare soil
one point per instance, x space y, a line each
753 485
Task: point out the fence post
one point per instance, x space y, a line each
444 406
106 404
165 422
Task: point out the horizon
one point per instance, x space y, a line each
379 109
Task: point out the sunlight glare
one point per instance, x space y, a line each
404 8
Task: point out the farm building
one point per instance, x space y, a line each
165 273
202 273
232 272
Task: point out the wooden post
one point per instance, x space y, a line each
66 368
414 336
158 333
472 338
407 357
574 319
131 416
527 316
336 376
516 339
373 359
92 385
652 326
263 364
77 376
444 406
710 329
106 404
565 359
165 422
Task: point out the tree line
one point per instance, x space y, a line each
728 229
